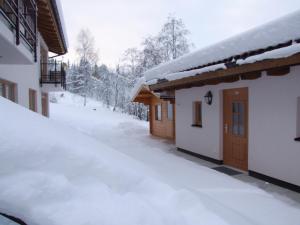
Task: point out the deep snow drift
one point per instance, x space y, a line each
92 166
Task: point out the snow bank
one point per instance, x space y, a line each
273 33
52 174
93 166
222 199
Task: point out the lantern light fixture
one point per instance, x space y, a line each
208 98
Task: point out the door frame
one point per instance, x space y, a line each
246 129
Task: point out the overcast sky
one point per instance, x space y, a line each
121 24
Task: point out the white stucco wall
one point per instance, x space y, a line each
26 76
272 124
298 118
11 53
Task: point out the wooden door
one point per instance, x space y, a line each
235 127
45 104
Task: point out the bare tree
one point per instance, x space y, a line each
173 38
88 57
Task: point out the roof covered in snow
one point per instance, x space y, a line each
275 39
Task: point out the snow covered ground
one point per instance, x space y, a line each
93 166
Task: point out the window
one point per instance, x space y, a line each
1 90
197 114
158 112
8 90
170 111
32 100
238 118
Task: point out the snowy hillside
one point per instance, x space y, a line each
88 165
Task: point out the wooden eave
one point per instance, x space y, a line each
274 67
144 96
49 28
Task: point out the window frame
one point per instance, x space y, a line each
33 96
9 90
158 113
197 114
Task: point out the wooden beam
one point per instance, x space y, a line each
145 101
279 71
242 69
48 27
251 76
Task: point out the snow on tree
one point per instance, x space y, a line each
173 38
113 86
88 58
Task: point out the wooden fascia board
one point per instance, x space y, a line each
47 24
242 69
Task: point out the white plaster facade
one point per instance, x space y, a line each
17 65
274 123
25 76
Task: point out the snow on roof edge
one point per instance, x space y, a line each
274 54
62 23
281 30
137 88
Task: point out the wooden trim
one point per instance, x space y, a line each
251 76
169 103
279 71
49 25
197 113
33 100
217 76
196 125
151 117
45 104
1 2
206 158
275 181
157 116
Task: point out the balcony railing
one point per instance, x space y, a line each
21 16
53 73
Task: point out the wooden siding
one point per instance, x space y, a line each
164 128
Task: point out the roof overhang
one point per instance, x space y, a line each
274 67
144 95
50 25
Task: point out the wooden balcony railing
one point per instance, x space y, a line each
53 73
21 16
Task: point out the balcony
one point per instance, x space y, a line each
53 73
20 16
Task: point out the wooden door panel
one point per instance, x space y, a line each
235 127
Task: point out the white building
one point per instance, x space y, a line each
238 101
30 29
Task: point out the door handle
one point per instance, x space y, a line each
226 128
